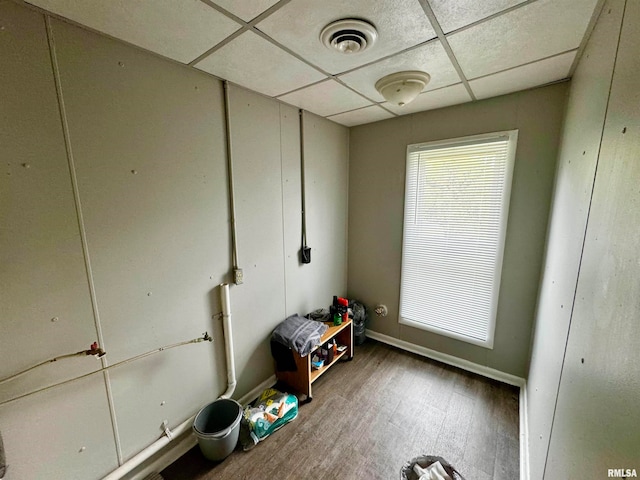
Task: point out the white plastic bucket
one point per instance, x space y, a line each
217 426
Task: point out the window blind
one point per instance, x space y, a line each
456 206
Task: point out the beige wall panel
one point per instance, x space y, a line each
327 184
313 285
64 432
147 140
378 156
597 417
171 385
291 209
258 304
579 150
42 274
149 153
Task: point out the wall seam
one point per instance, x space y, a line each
584 239
80 219
284 237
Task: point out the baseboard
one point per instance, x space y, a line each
448 359
524 434
180 446
480 370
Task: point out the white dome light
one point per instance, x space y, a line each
402 87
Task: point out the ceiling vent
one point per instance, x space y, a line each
349 36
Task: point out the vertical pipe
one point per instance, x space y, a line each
232 206
228 340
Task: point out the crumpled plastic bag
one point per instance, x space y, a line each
271 411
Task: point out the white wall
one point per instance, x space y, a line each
376 202
122 234
584 383
579 150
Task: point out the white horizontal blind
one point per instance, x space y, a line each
456 204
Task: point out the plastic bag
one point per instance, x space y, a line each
269 412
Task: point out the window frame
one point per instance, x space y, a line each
512 136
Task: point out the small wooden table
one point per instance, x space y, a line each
304 376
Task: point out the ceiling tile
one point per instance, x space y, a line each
325 98
430 58
246 9
521 78
444 97
361 116
297 25
181 30
535 31
254 63
454 15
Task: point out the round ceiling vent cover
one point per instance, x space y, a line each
349 36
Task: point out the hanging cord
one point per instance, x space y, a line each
305 251
205 338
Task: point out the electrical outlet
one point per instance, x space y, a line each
381 310
238 276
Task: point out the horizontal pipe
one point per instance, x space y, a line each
204 338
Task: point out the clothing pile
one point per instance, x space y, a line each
435 471
295 333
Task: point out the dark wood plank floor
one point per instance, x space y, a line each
369 416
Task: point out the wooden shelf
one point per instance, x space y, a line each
316 373
304 376
332 331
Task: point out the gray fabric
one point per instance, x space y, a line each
299 333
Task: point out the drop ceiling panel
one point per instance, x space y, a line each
454 15
178 29
521 78
488 37
361 116
532 32
444 97
430 58
257 64
246 9
297 25
326 98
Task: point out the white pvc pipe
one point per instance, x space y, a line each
228 340
186 425
151 450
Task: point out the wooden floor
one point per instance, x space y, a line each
369 416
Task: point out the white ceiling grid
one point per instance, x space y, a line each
253 62
273 47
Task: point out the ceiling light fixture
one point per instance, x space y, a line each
349 36
402 87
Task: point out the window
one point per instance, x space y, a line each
455 217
